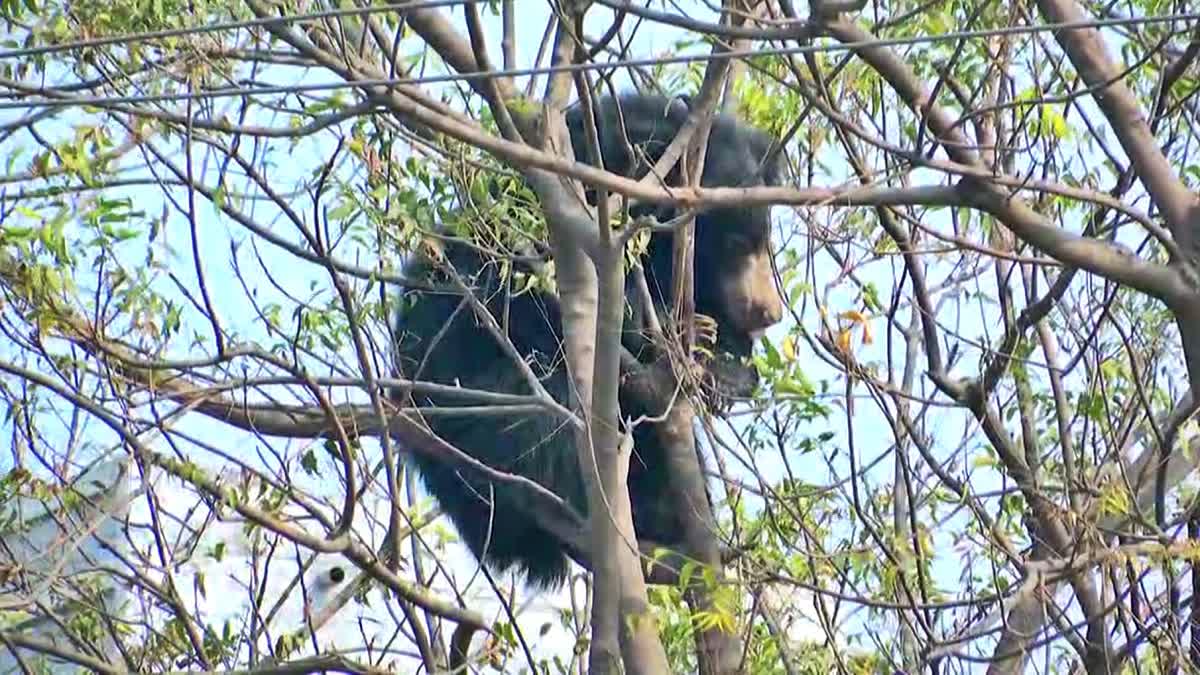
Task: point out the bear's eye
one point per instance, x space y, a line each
740 243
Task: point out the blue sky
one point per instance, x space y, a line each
278 278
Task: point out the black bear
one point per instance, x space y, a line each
440 340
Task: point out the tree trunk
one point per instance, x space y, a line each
717 652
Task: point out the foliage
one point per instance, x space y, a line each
205 212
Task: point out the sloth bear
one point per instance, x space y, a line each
440 340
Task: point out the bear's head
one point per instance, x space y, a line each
733 272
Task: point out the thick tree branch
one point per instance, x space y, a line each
1179 206
1096 256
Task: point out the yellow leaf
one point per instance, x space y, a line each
789 348
843 341
1114 499
853 315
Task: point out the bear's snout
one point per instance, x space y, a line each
751 295
764 312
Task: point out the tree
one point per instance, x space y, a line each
973 441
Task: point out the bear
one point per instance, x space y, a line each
440 340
